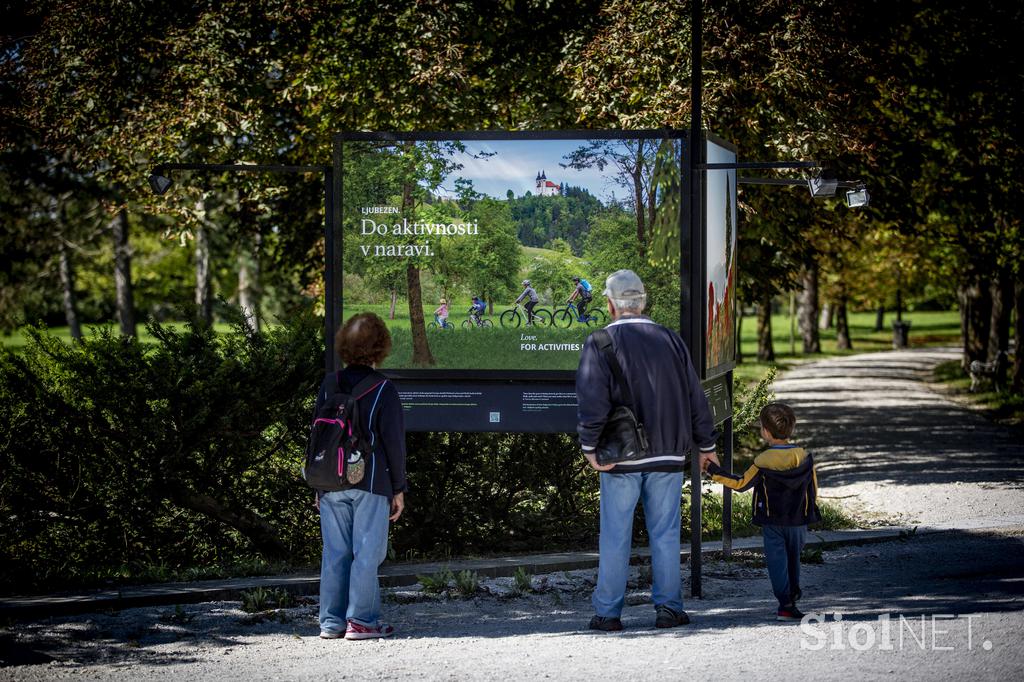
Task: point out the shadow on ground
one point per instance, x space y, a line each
954 573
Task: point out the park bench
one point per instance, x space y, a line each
995 371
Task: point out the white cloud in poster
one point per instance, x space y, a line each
514 164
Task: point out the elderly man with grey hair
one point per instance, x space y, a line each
669 401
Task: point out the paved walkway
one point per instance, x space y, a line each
891 445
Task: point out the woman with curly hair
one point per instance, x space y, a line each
354 522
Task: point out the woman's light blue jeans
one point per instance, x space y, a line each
354 526
661 493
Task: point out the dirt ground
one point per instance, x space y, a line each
954 603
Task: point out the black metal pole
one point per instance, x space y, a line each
697 153
727 465
330 321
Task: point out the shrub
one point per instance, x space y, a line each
120 455
467 582
522 579
261 599
436 583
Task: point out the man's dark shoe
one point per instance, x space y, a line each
668 618
605 624
789 613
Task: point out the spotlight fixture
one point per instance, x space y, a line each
858 197
159 183
823 184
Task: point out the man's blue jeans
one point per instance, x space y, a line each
782 547
354 526
661 493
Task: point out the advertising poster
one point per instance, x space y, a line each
720 213
439 236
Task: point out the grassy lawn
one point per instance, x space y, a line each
931 328
20 337
1000 406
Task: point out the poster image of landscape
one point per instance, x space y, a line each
720 212
438 237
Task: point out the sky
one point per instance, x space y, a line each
515 165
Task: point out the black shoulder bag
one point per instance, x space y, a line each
623 438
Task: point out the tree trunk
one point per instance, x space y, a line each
123 274
843 341
975 301
638 198
1017 385
808 309
394 302
67 283
880 317
825 319
1001 293
765 347
739 334
263 535
652 207
203 298
420 348
249 283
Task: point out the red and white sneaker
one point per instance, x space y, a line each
358 631
789 613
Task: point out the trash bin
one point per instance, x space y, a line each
900 334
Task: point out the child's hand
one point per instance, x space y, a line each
706 458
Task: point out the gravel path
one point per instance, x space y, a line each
886 442
498 636
891 446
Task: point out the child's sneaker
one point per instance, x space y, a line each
358 631
330 634
789 613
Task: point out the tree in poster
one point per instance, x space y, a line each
489 263
633 161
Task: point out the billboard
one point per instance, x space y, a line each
467 244
720 265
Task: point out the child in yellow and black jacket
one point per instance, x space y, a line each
785 493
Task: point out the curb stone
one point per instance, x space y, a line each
402 574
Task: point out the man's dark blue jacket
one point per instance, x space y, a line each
670 401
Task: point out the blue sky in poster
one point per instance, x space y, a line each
515 165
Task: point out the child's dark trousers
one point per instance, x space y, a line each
782 547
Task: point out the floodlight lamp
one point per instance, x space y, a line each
858 197
159 182
823 184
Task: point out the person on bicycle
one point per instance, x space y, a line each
476 310
585 293
441 314
530 293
